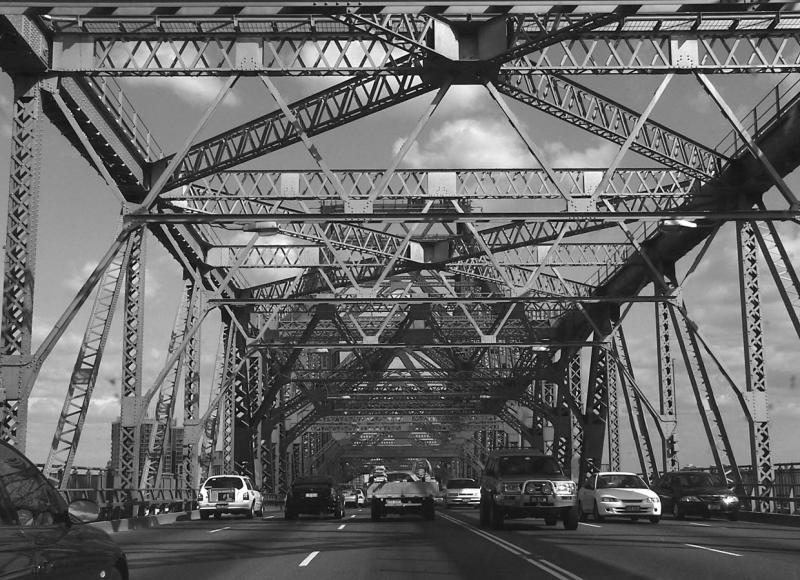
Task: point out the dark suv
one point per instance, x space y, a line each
314 494
696 493
523 483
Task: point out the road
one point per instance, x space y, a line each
453 546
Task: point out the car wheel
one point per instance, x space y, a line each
551 519
250 513
655 519
338 513
734 517
484 512
570 518
375 511
217 515
204 515
677 512
289 515
581 513
428 510
597 517
496 516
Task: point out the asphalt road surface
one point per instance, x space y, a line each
454 547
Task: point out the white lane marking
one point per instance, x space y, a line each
308 559
268 517
351 517
699 524
566 573
714 550
219 530
590 525
542 564
341 527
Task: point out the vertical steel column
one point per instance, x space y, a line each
538 421
281 454
549 390
563 417
221 370
165 406
614 463
594 429
20 255
132 340
243 408
666 386
755 368
190 467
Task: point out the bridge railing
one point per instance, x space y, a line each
117 504
764 115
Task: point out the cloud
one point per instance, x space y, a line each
598 156
193 90
468 143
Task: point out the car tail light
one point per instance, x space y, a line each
246 495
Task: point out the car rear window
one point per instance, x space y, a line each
454 483
529 465
223 483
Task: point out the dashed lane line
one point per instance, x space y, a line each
590 525
542 564
699 524
351 517
341 527
268 517
308 559
219 530
715 550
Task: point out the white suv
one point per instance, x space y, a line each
229 494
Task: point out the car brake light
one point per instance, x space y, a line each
246 495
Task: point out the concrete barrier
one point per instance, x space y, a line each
149 522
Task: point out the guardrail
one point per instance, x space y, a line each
117 504
764 115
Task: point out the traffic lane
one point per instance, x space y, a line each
234 547
670 549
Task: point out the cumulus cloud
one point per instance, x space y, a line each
594 156
193 90
469 143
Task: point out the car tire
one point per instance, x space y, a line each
338 513
496 516
250 513
375 511
677 512
570 518
597 517
289 515
581 513
204 515
428 509
217 515
655 519
551 518
483 514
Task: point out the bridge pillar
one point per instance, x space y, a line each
20 255
666 387
594 429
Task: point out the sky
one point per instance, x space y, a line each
79 218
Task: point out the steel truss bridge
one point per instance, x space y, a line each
409 313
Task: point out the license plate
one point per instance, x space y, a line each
713 507
222 496
631 508
313 494
538 498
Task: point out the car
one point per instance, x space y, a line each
314 495
229 494
696 493
402 476
462 492
523 483
361 500
618 494
350 496
42 536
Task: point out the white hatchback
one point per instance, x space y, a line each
229 494
618 494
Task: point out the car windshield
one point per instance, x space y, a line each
529 465
400 476
223 483
461 483
700 480
620 481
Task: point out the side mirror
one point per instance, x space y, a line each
85 510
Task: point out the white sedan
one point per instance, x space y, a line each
617 494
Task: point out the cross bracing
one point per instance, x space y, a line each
414 307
